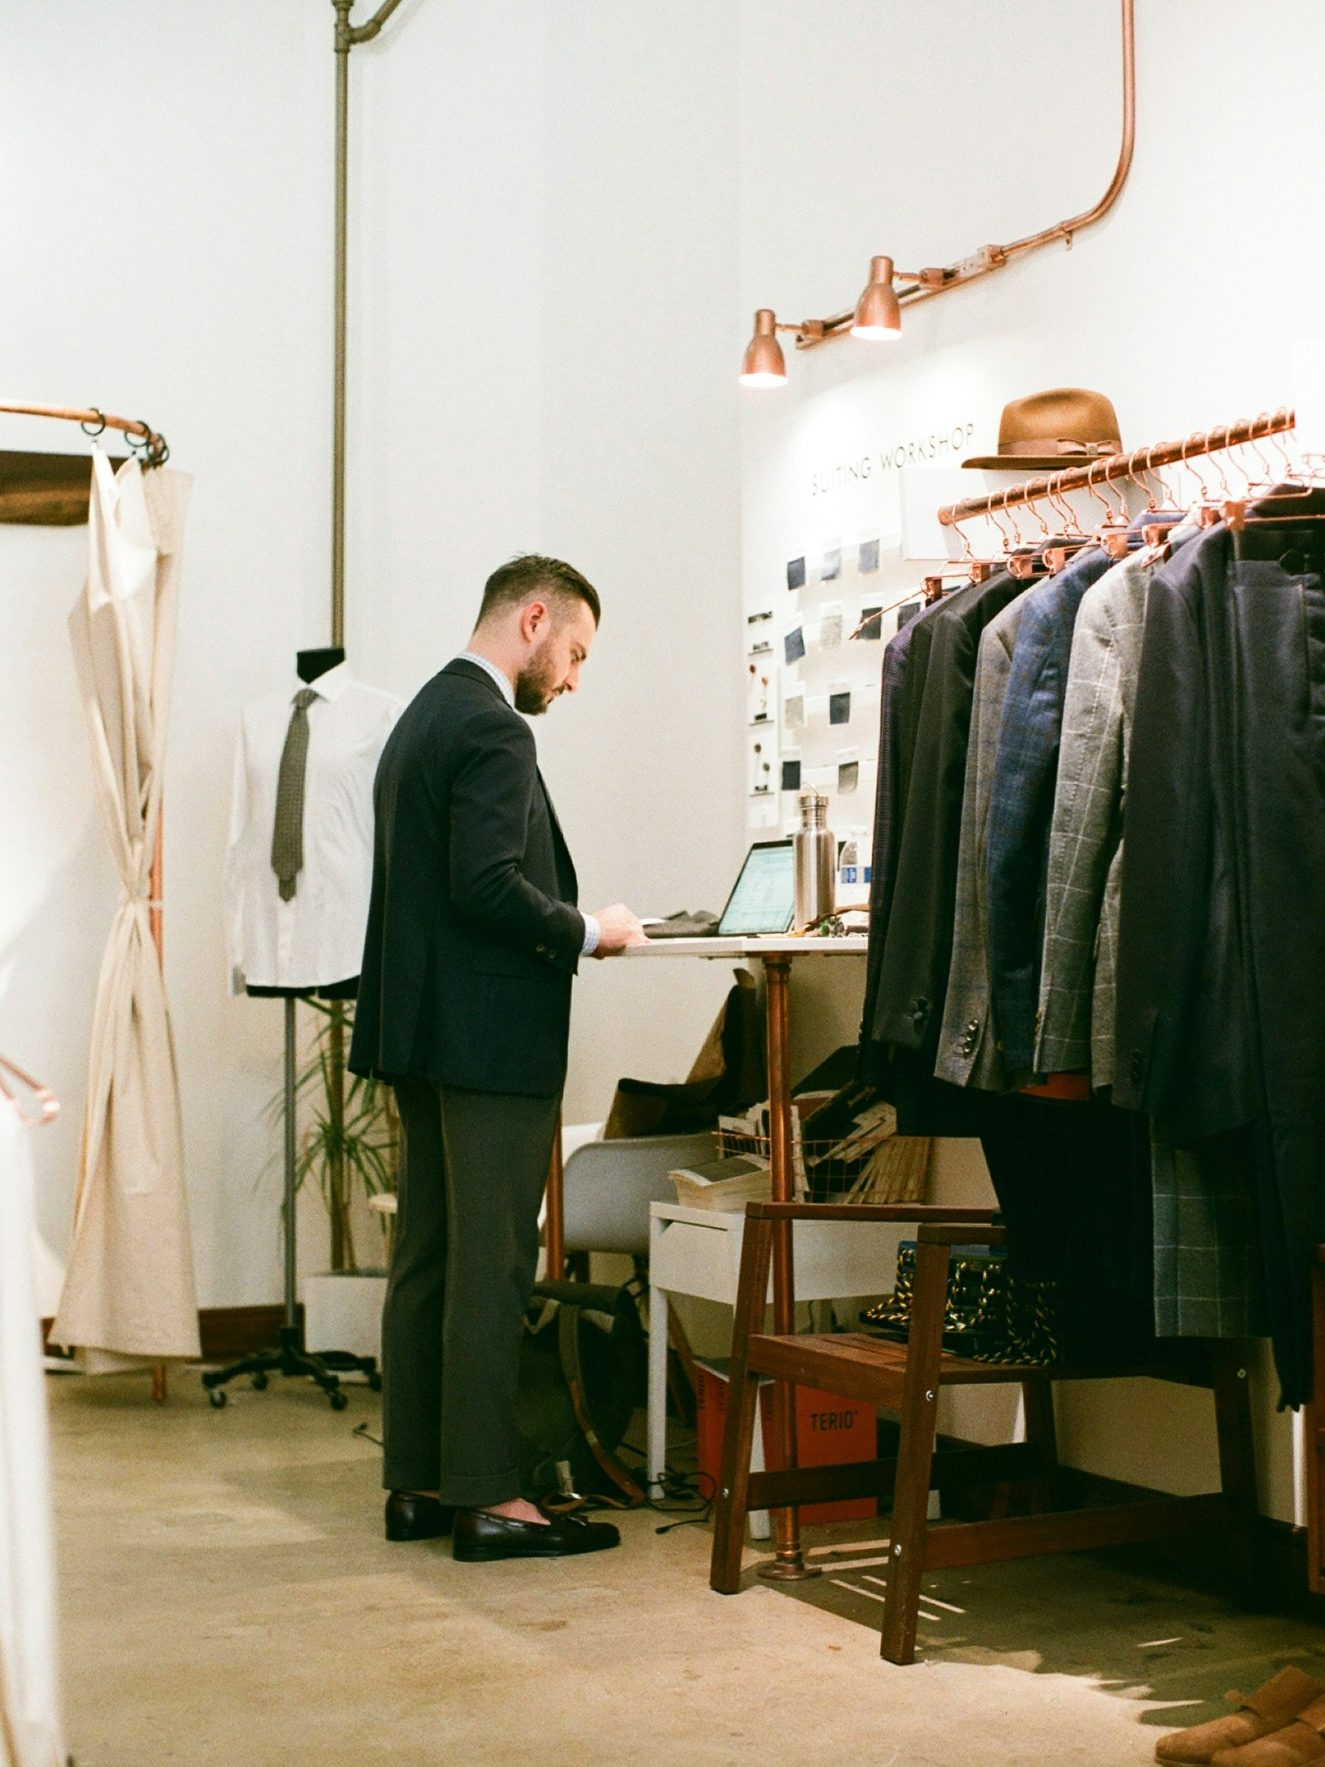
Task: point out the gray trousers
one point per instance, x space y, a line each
472 1176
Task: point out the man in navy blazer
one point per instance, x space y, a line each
473 939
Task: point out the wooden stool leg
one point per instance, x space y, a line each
1037 1397
734 1481
920 1392
1237 1460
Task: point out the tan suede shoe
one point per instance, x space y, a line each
1272 1707
1294 1745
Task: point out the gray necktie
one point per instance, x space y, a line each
287 841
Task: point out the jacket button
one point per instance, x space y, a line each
973 1027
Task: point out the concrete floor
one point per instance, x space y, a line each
229 1601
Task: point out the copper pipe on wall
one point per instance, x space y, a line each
347 36
1123 466
922 285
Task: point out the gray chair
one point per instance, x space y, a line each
609 1185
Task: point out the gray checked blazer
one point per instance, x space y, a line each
968 1051
1075 1019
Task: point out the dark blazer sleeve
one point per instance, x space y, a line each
492 800
1021 798
1166 849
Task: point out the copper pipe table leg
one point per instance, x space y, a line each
555 1225
788 1564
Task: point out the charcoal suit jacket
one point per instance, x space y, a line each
968 1047
1181 1028
473 934
917 935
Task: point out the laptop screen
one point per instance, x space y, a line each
764 898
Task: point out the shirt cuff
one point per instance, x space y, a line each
592 934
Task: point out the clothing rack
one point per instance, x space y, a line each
1123 466
153 449
154 446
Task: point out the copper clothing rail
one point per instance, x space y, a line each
154 443
1123 466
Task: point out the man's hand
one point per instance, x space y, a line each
617 928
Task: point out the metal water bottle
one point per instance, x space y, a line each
816 861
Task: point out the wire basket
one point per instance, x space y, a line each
894 1170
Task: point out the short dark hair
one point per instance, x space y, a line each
525 575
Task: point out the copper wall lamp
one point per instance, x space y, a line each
877 315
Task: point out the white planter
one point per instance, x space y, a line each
343 1311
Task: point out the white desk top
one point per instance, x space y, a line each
853 945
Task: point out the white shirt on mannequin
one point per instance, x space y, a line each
316 938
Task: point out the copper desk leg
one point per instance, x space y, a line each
788 1564
554 1228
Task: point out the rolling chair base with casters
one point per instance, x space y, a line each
290 1358
295 1362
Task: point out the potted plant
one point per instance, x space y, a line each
349 1146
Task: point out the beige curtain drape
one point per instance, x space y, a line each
129 1292
29 1669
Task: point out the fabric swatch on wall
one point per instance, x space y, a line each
795 573
794 644
830 625
848 777
839 705
791 773
870 624
908 612
830 566
869 556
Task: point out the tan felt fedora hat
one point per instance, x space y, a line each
1067 426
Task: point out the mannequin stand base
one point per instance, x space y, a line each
297 1363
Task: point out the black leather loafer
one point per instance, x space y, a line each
480 1537
411 1517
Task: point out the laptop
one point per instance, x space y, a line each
763 898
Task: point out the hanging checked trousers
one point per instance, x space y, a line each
471 1181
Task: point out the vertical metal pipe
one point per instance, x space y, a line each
342 1246
290 1160
343 46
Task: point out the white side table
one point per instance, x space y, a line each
698 1252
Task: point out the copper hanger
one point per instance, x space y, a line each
17 1086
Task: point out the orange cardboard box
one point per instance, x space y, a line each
830 1431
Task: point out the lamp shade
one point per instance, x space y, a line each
878 316
764 364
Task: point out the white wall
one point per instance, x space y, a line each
926 132
543 231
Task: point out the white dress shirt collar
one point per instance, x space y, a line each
328 686
502 680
